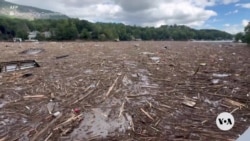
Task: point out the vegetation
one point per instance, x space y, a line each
244 37
240 37
72 29
247 34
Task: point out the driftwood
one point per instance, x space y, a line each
83 97
34 96
68 121
44 130
63 56
111 87
121 109
235 103
147 114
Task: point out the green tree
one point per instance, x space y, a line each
247 33
66 30
85 34
21 33
239 36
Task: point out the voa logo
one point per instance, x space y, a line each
225 121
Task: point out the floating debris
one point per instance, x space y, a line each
147 53
235 103
56 114
220 75
189 103
214 103
27 75
18 65
155 59
63 56
203 64
33 51
215 81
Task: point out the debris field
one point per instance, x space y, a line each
145 91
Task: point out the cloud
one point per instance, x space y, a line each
243 5
232 12
245 22
136 5
236 28
229 1
140 12
233 29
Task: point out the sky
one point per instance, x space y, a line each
227 15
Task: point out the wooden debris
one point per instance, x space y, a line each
66 131
166 106
50 107
83 97
43 131
68 121
135 96
34 96
219 95
234 110
189 103
196 71
150 104
48 137
121 109
203 64
223 105
204 121
156 124
111 87
157 130
63 56
147 114
235 103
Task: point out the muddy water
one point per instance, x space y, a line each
102 122
111 118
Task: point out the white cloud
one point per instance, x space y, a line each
243 5
245 22
139 12
236 28
232 12
233 29
229 1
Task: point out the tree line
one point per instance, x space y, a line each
244 36
73 29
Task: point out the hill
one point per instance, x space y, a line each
8 9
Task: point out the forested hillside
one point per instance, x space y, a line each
72 29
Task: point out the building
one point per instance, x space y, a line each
32 35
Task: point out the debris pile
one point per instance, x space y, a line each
17 65
32 51
113 91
